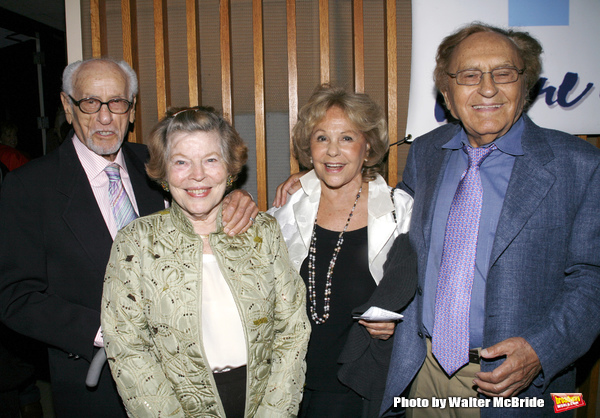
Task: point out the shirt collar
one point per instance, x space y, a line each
94 164
509 143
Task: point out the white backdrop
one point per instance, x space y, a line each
567 29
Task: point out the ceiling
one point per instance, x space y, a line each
49 12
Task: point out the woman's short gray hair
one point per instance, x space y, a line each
196 119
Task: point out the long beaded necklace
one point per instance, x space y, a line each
312 251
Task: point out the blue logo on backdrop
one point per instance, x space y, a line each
564 90
538 12
567 95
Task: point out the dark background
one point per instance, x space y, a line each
32 32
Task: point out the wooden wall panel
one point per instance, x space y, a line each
259 103
359 46
193 53
292 76
324 39
130 54
226 60
98 17
392 86
161 45
338 57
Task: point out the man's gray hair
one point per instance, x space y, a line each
71 70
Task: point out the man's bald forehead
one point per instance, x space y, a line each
103 69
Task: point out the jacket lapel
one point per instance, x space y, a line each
146 192
528 185
305 211
380 227
434 174
81 213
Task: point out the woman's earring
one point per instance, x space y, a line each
229 182
165 186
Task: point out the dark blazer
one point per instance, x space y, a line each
365 360
543 282
53 256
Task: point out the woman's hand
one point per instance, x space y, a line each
239 211
290 186
380 330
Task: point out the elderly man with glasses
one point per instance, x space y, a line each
58 218
505 224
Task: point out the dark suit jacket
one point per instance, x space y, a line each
543 283
365 360
53 256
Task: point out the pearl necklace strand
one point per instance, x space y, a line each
312 251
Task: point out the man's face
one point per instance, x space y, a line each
488 110
102 132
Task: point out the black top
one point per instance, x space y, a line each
351 286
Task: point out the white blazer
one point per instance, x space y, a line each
297 218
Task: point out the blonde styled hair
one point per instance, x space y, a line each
359 108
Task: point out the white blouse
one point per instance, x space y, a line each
222 331
386 220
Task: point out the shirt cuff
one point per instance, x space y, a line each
99 341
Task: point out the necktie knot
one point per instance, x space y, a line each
119 200
477 155
112 171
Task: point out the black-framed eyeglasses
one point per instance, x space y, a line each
91 105
501 75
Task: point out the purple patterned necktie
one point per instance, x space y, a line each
119 201
450 340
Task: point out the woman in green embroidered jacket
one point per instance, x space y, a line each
196 322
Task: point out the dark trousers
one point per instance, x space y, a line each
321 404
232 391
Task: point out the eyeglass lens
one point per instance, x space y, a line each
92 105
499 75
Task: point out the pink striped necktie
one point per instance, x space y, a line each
119 201
450 339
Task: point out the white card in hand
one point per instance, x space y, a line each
377 314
